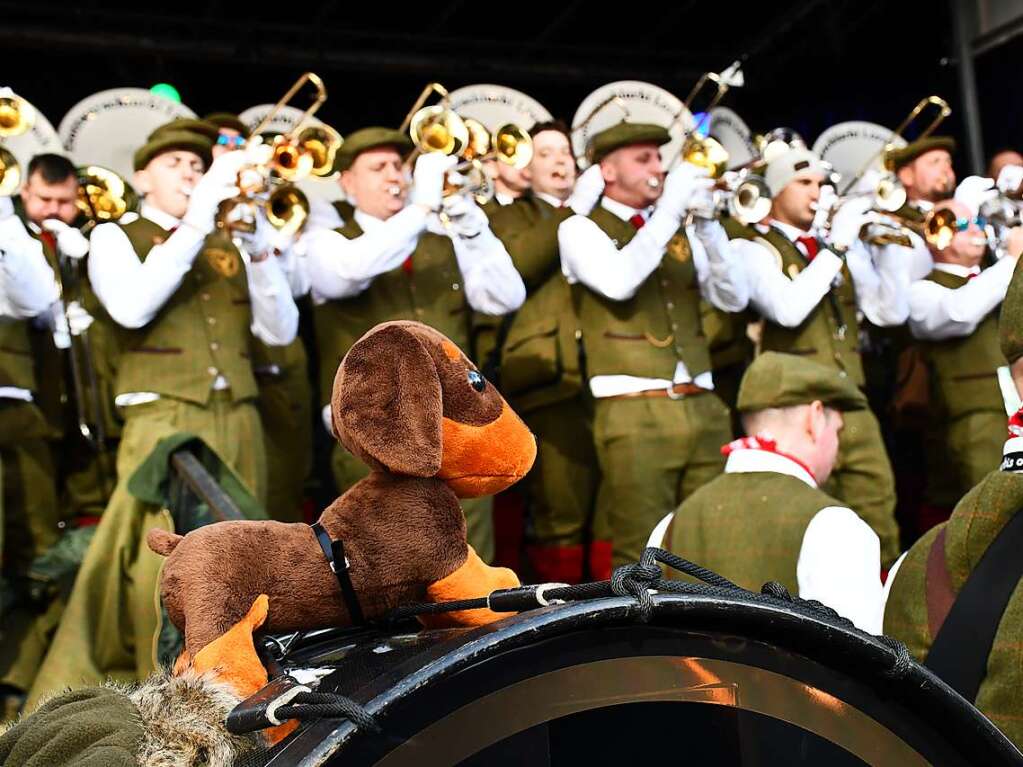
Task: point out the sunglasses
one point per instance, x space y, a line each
962 224
230 141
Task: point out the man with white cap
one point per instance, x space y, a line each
808 294
637 275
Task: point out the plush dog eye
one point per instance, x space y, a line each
476 381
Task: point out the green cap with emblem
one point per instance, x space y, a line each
776 380
165 139
896 158
202 127
228 120
370 138
625 134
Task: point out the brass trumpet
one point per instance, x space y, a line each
10 173
17 116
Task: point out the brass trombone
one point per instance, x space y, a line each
696 149
17 116
609 101
103 195
10 173
944 110
435 128
306 150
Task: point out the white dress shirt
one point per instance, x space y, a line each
788 301
937 312
28 287
340 267
840 557
134 291
589 256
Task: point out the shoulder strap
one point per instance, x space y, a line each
961 647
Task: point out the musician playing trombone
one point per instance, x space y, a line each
188 306
637 273
808 293
384 264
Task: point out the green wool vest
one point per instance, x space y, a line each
830 333
17 367
648 334
539 357
977 519
911 213
203 330
748 526
963 370
432 293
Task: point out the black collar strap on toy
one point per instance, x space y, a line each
334 551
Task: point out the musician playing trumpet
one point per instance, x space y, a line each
808 293
638 275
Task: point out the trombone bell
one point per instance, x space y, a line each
16 116
321 143
438 129
705 153
287 209
940 228
513 146
10 173
102 194
751 200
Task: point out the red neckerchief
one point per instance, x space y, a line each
766 443
1016 424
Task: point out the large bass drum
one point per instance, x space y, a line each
707 680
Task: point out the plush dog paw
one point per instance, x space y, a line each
473 579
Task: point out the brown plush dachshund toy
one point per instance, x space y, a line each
433 430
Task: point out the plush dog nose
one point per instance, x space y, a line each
483 460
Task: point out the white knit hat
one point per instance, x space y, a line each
784 168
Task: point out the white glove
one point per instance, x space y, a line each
588 188
218 184
1010 179
823 207
71 242
703 203
78 319
60 329
465 217
679 186
850 218
428 179
255 244
974 191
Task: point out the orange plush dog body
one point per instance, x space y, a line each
432 429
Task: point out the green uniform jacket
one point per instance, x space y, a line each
748 526
964 376
539 356
830 333
430 292
203 330
648 334
977 519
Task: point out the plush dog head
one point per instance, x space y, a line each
408 401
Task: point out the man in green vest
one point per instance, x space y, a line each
539 363
808 295
766 518
189 306
637 277
954 314
384 264
29 511
924 167
282 372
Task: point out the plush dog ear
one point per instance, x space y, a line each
387 404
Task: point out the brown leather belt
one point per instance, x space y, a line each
678 391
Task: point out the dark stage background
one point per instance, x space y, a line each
808 64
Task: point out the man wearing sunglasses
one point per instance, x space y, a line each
954 316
